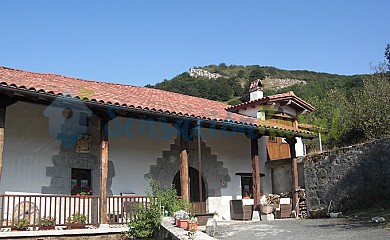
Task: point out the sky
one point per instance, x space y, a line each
143 42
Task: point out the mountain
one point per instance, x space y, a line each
231 83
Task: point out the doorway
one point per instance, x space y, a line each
193 176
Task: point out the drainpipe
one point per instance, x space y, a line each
319 139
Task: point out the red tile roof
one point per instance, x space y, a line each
128 96
289 96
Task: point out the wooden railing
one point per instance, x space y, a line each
120 209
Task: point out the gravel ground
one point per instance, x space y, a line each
339 229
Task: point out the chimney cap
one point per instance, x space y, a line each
256 85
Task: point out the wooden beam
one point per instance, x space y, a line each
255 170
103 171
294 174
184 165
2 126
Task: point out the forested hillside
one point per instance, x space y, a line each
354 108
233 88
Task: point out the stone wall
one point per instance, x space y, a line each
352 178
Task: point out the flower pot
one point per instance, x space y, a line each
192 226
176 222
183 223
76 226
266 208
47 227
20 229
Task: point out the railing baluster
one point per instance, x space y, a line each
50 206
2 211
120 209
8 211
35 212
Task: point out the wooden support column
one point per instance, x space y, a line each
2 126
184 165
294 174
255 170
103 170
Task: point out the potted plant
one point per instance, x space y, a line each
79 190
47 223
179 215
181 219
22 224
193 224
77 220
247 195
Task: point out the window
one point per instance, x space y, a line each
247 186
272 139
80 178
284 140
83 119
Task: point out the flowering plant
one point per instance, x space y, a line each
248 194
22 224
82 190
48 221
181 215
77 218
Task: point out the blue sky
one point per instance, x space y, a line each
141 42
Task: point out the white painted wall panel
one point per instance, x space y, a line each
28 149
134 145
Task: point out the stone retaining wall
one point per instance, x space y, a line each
352 178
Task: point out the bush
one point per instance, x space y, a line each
168 198
148 219
147 222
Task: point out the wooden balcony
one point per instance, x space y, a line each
120 209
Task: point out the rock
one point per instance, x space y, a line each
378 219
211 227
335 214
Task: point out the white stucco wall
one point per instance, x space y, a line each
28 149
134 145
235 152
300 147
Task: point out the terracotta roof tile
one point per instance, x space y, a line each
127 95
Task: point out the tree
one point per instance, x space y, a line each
387 55
257 73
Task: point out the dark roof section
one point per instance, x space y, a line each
288 98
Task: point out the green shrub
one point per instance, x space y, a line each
148 219
167 198
147 222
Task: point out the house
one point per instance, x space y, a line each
59 132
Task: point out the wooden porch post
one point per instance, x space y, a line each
103 170
2 126
294 174
255 170
183 135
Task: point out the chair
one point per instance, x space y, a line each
239 211
284 209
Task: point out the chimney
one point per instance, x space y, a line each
256 90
